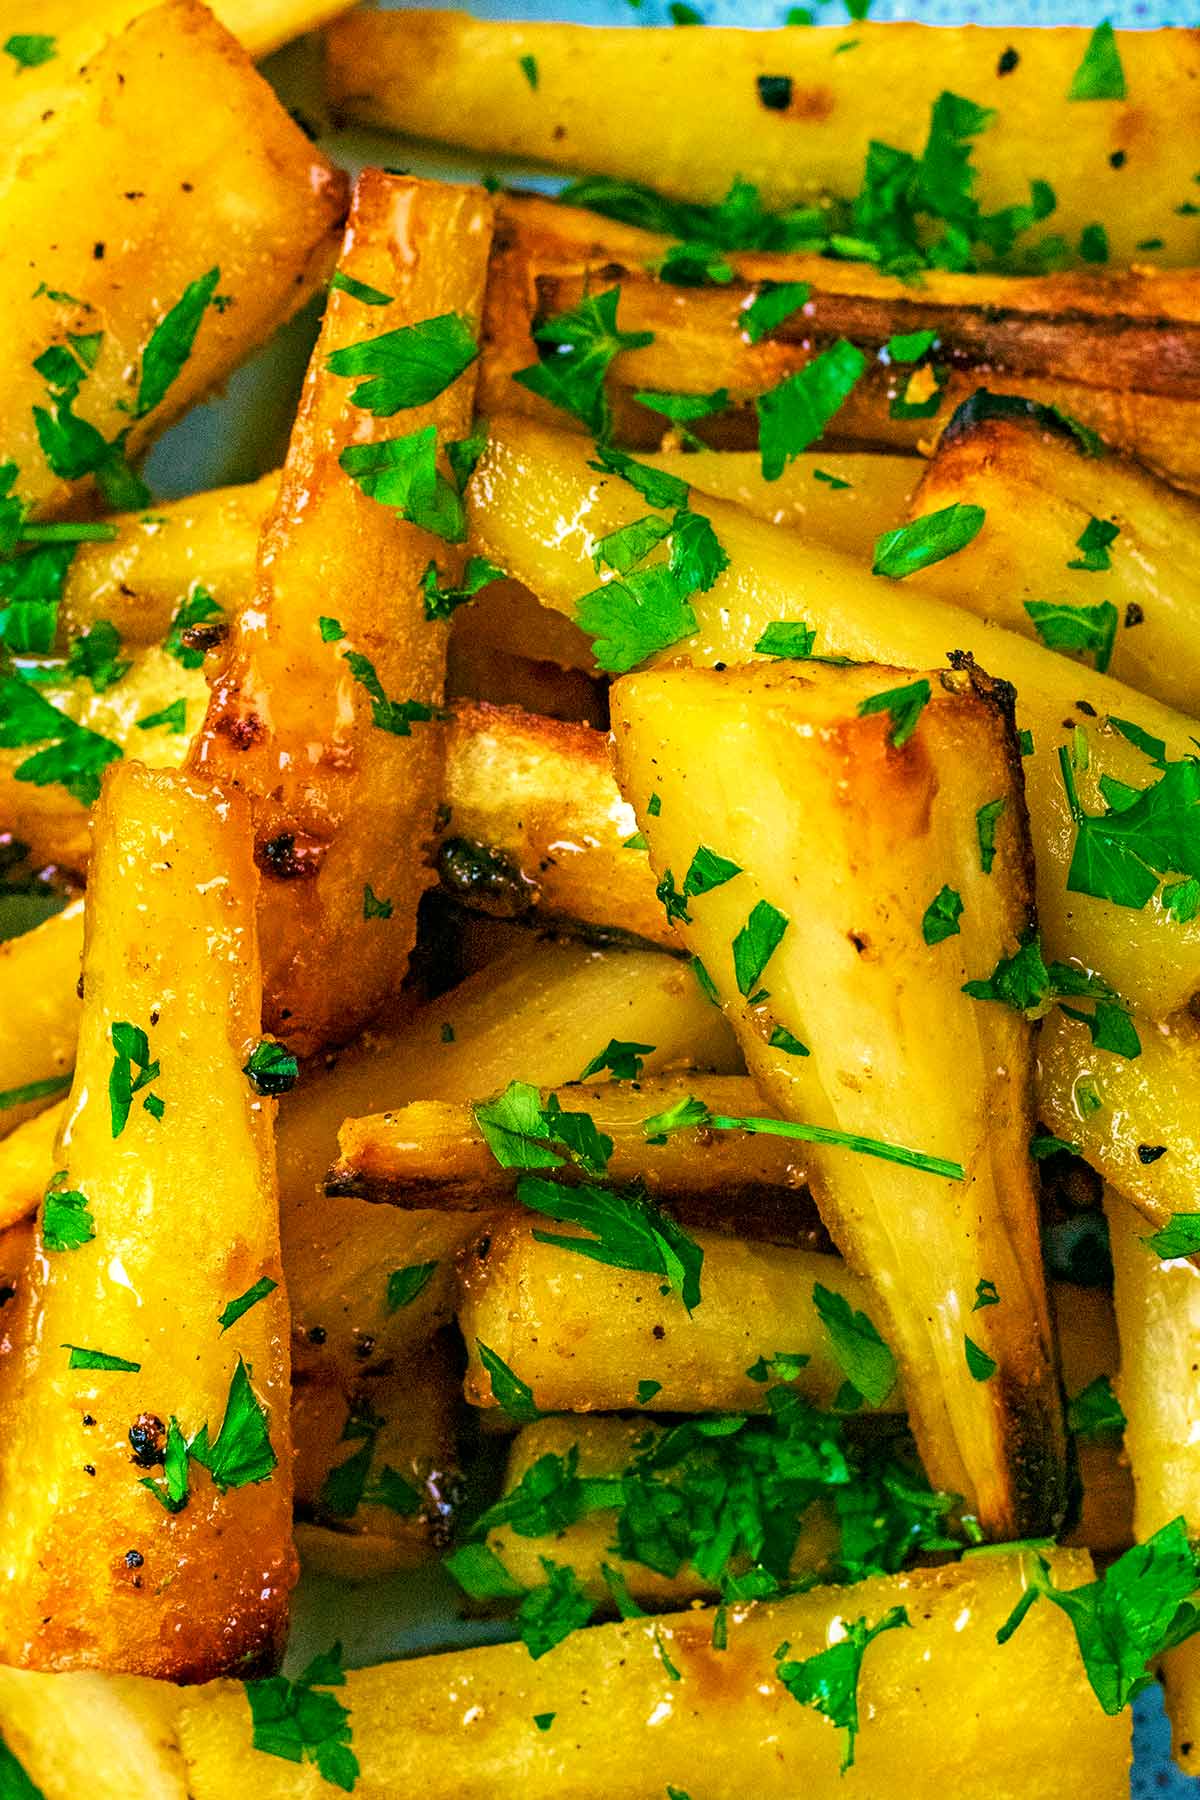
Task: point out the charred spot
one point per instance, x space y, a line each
658 1331
147 1437
364 1345
89 1469
7 1293
774 92
1117 160
316 1334
243 731
88 1419
1150 1153
559 133
205 638
861 944
98 252
1133 614
1008 61
134 1559
290 857
1086 708
486 880
483 1248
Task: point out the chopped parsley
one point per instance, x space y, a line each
782 1039
755 945
402 472
1094 541
272 1069
926 540
99 1359
861 1353
986 821
237 1309
46 1089
241 1452
1095 1412
683 409
636 617
1023 982
1139 1608
512 1395
529 69
441 601
646 1390
551 1613
981 1365
698 1114
942 916
1076 630
480 1573
579 347
172 718
404 1285
627 1231
172 1491
359 290
787 638
350 1484
73 756
986 1294
131 1053
773 302
1145 834
297 1721
1100 75
171 342
31 587
904 705
794 414
30 49
373 906
395 716
622 1060
1180 1238
706 871
407 367
694 265
67 1222
657 487
95 657
828 1680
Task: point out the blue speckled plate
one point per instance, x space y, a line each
244 431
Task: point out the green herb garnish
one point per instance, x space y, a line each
407 367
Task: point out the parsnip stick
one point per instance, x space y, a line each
603 1685
39 976
129 1320
327 712
813 920
784 109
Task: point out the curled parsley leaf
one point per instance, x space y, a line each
580 346
409 366
828 1680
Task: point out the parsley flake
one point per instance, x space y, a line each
1122 854
986 821
627 1232
72 755
942 916
986 1294
927 540
373 906
755 944
773 302
441 602
171 342
99 1359
512 1395
707 871
241 1453
861 1353
1095 1412
828 1680
551 1613
794 414
272 1068
395 716
67 1222
30 49
404 1285
1180 1238
580 346
1076 630
904 704
1094 541
787 638
1100 75
529 70
981 1365
359 290
622 1060
131 1052
402 472
407 367
172 718
198 609
95 657
635 618
237 1309
297 1721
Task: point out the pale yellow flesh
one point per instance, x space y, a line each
537 509
110 1736
40 1007
460 1727
171 947
623 102
234 183
850 840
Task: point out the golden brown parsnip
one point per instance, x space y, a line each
583 1334
605 1685
109 1736
39 1002
1133 1118
234 185
842 826
159 558
604 1445
1085 1328
1119 352
377 1480
531 479
27 1162
1041 493
691 112
96 1573
344 785
432 1152
1158 1321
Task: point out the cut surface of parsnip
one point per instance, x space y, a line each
235 201
164 1213
533 479
1127 598
784 110
109 1736
585 1337
39 973
603 1685
840 826
327 714
1118 352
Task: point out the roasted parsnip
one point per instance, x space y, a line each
326 715
846 905
1157 1304
27 1161
156 1289
532 480
1119 353
1091 554
784 110
109 1736
1134 1119
235 201
39 976
584 1336
602 1685
433 1153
